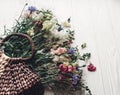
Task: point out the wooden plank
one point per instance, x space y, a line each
96 22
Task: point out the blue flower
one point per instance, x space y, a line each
75 79
60 28
71 51
31 8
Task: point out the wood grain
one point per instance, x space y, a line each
96 22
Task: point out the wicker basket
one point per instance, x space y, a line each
15 77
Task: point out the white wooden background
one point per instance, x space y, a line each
96 22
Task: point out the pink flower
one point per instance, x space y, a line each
59 51
91 67
54 51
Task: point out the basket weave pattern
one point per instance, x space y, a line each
15 76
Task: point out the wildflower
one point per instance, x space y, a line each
62 58
56 59
75 64
71 68
66 67
66 63
30 32
53 51
63 68
32 9
39 16
71 51
59 51
66 24
48 24
91 67
60 28
75 79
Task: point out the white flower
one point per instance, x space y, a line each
49 24
56 59
39 16
66 24
61 35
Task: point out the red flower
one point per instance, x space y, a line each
66 68
91 67
63 68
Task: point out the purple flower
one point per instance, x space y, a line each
75 79
31 8
71 51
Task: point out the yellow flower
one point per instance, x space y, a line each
66 63
65 24
30 32
48 24
75 64
63 58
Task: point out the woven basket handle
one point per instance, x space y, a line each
30 41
